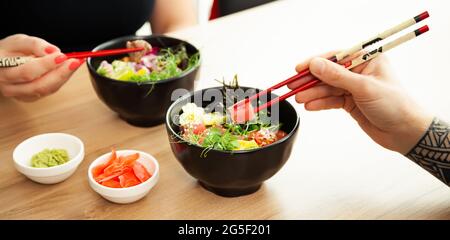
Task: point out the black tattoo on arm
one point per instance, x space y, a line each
432 152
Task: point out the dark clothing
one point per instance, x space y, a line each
74 25
231 6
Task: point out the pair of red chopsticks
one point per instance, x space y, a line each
102 53
340 56
16 61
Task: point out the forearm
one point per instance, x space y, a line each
432 152
172 15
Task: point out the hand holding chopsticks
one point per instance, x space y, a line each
47 69
350 64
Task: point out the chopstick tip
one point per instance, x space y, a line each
422 30
422 16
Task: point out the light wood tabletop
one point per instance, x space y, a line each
335 171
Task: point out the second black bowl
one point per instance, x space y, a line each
233 173
141 104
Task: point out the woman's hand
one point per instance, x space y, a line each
39 77
371 95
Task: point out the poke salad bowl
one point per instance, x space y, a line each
141 104
231 173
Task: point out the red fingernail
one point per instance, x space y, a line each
50 49
74 65
61 58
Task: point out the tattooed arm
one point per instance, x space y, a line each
432 152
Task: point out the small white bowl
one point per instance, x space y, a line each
25 150
129 194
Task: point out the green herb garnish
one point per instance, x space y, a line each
171 62
215 139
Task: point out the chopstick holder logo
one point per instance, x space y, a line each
371 42
12 61
371 53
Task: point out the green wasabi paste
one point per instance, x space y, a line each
49 158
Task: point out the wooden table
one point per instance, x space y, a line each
335 170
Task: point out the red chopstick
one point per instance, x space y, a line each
294 78
339 57
102 53
303 87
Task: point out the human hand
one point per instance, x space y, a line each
371 95
39 77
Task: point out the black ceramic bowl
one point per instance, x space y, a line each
140 104
234 173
